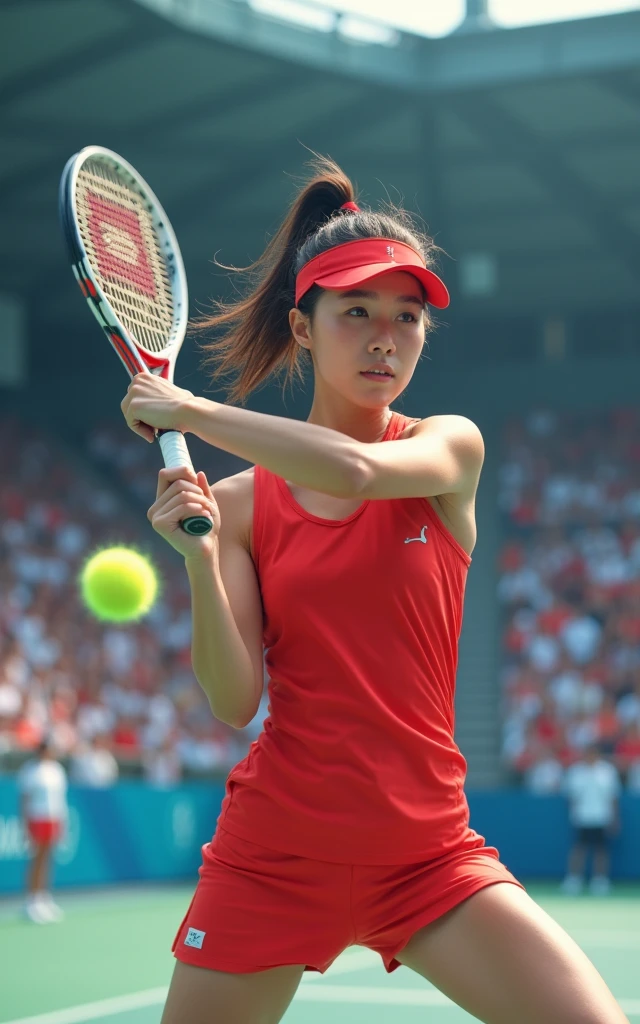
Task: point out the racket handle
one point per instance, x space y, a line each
175 453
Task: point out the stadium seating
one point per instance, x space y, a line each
116 700
569 586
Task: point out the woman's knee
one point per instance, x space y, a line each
203 996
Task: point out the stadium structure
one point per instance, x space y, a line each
520 148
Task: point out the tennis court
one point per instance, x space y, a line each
109 960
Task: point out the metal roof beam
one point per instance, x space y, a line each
51 72
280 84
462 60
509 140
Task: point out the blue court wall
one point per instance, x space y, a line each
133 832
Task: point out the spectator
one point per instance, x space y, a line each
592 786
162 767
93 764
546 773
126 741
627 749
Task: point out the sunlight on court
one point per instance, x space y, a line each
110 961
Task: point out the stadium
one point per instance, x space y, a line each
511 131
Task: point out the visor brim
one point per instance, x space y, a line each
435 290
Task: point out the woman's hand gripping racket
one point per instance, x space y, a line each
126 260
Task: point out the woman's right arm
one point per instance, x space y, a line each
226 647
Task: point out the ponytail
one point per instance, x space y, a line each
258 341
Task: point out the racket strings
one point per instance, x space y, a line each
125 254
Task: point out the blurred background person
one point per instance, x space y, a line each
546 774
93 763
162 766
42 785
593 787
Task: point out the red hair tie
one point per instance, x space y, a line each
350 206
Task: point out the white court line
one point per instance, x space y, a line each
402 997
367 994
360 959
314 994
102 1008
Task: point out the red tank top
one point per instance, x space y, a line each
357 761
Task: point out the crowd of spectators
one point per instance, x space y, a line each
569 587
134 465
115 700
124 700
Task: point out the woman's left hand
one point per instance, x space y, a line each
153 403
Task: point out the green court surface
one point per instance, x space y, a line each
110 961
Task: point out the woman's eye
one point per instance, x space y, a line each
412 319
357 309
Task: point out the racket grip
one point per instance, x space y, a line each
175 453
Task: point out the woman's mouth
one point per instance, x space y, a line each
376 375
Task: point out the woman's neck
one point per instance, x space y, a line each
365 425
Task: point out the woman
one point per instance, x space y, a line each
347 821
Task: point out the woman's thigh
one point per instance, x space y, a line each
504 960
201 996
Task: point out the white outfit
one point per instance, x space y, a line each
592 790
44 784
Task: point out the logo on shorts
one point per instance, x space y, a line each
194 938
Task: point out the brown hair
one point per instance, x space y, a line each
259 340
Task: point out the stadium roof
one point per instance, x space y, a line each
520 147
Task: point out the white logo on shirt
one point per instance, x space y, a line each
421 538
194 938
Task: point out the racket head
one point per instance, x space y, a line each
126 259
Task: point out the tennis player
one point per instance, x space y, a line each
345 551
42 788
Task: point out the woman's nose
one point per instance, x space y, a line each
383 336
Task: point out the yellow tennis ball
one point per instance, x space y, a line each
118 584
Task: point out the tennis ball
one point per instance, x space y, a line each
118 584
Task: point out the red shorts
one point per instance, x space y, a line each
255 908
44 832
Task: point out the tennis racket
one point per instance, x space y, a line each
126 260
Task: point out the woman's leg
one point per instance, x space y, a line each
504 960
201 996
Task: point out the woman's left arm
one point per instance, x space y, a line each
307 454
443 455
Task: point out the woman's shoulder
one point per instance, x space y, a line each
234 496
447 423
409 426
237 484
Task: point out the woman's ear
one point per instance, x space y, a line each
299 324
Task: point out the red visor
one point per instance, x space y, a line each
354 262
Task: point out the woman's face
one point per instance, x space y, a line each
381 320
